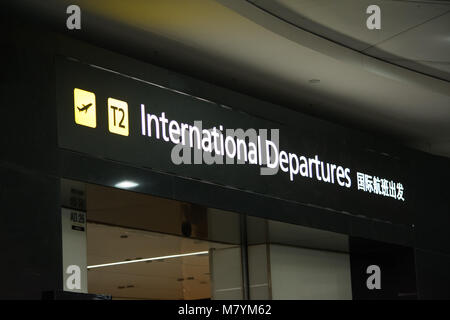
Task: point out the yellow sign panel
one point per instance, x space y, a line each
84 105
118 117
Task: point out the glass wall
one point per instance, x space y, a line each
137 246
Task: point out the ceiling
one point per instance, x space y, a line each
414 34
392 81
177 278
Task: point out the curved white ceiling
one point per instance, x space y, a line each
413 34
238 44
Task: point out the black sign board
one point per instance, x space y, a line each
117 117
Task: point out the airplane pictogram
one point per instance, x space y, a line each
84 108
84 101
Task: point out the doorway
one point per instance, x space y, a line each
144 247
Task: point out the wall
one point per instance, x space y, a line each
432 236
298 273
226 274
30 222
258 272
396 279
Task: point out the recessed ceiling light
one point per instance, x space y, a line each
126 184
314 81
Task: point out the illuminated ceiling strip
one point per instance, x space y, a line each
149 259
